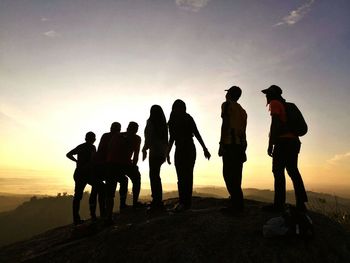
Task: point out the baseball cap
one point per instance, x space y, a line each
273 89
234 89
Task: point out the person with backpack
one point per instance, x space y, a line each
233 145
287 124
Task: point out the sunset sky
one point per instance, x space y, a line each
71 66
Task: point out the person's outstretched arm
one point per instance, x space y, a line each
200 140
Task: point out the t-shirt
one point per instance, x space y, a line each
276 107
155 142
85 153
122 148
182 130
234 124
102 150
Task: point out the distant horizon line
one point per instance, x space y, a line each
147 191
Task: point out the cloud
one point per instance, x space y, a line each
192 5
44 19
340 159
296 15
51 34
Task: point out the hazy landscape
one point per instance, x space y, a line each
30 215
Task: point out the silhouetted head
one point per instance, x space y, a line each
133 127
156 114
90 137
115 127
233 93
273 92
158 121
179 107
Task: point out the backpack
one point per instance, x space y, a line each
295 120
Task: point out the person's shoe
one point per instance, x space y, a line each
272 208
231 211
108 222
124 206
301 207
138 204
155 209
78 222
180 208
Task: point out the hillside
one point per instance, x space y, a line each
40 214
201 235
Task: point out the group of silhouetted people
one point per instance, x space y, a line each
116 157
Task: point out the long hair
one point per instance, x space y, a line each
158 121
177 117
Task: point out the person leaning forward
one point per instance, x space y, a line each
233 145
284 147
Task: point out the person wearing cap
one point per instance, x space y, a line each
233 145
284 147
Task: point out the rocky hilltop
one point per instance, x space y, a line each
203 234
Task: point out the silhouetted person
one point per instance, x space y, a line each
233 145
124 154
110 149
156 141
182 128
284 147
84 171
103 168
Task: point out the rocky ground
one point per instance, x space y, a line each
203 234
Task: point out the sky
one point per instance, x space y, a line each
72 66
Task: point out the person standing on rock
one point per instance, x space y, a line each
105 170
83 173
284 147
182 128
156 141
233 145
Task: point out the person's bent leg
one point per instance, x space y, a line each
111 185
135 177
123 190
